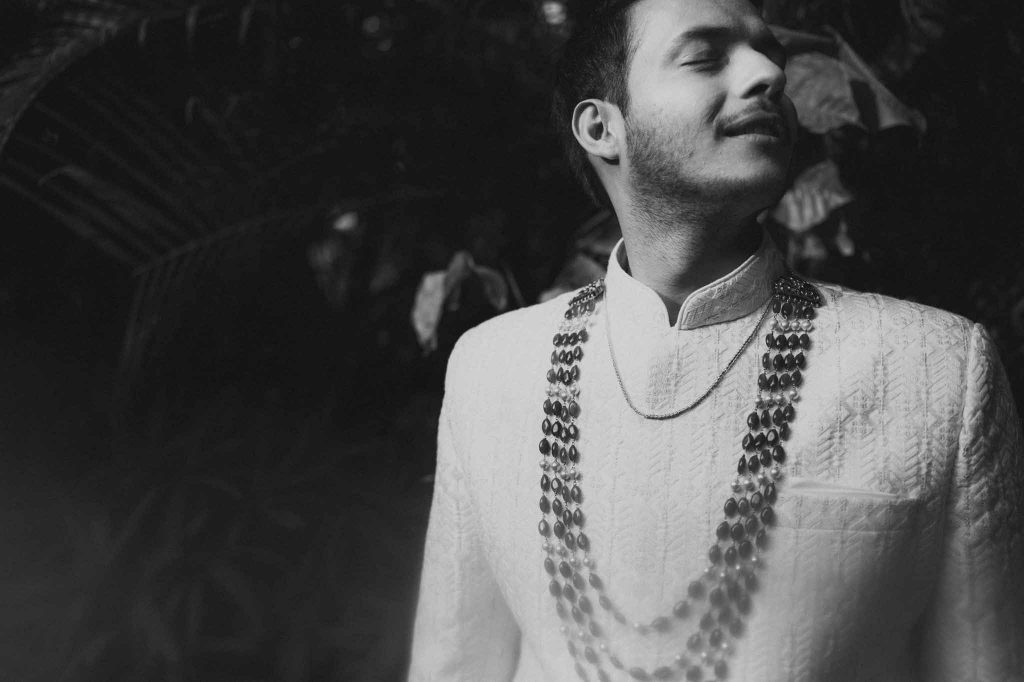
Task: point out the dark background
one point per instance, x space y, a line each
217 418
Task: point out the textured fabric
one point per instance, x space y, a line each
899 545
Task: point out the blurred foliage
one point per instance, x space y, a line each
443 289
234 553
258 211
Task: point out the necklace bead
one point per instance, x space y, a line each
730 578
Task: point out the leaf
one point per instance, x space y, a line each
814 195
830 92
796 42
137 215
169 203
819 88
811 249
513 287
843 240
99 216
245 21
166 285
426 310
172 156
69 36
191 22
495 286
75 222
442 289
459 268
888 111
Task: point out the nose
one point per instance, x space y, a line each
760 77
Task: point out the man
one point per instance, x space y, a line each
740 476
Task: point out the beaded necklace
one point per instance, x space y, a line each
722 594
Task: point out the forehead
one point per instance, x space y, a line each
656 24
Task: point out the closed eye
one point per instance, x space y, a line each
704 62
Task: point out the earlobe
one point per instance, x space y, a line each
592 124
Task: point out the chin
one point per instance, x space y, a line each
757 189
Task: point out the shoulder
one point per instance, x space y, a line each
890 321
497 372
901 352
506 343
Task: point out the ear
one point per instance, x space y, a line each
598 128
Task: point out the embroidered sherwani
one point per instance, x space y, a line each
898 547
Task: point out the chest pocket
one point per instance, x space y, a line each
867 555
813 505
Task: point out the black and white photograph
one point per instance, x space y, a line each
511 341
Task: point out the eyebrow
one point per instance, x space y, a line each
763 40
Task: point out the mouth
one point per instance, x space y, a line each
760 124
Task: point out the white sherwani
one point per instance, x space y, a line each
898 552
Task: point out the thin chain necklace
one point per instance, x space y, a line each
703 396
723 592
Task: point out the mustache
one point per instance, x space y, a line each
765 117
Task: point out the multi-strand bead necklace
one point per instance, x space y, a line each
722 595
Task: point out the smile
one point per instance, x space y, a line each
761 124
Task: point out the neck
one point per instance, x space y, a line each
677 257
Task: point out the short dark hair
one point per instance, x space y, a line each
594 63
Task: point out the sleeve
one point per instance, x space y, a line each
463 629
975 629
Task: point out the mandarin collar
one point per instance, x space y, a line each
730 297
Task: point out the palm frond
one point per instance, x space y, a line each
69 36
75 222
131 210
105 224
165 284
163 145
185 192
152 186
71 30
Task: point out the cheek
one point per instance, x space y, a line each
715 102
691 104
697 117
698 105
690 121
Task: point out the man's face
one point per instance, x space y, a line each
707 117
